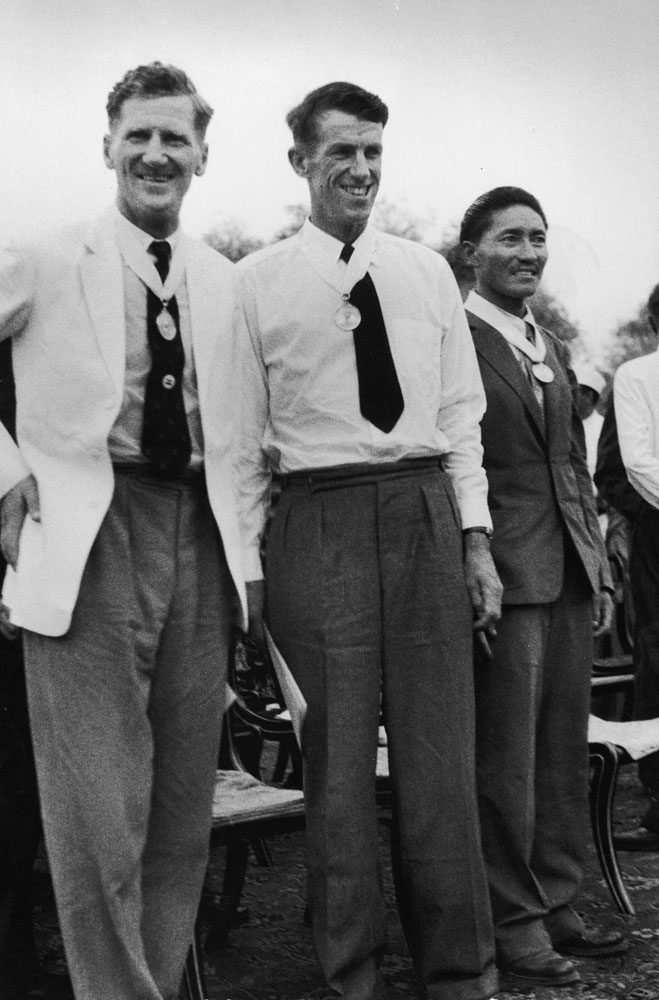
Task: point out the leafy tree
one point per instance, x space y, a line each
631 340
231 240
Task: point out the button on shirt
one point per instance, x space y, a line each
300 388
124 441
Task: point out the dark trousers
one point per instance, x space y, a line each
367 603
644 573
532 703
20 823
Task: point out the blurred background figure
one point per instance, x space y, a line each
591 385
20 821
637 418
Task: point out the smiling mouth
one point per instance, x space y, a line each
154 178
358 192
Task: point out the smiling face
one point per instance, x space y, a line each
509 257
155 151
343 171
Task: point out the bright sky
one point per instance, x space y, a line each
557 96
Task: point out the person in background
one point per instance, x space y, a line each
533 697
361 393
590 386
20 821
119 526
637 420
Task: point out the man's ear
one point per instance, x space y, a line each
298 160
469 253
107 158
201 167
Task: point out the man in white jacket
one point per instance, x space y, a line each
123 585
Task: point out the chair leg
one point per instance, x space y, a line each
194 981
604 762
223 912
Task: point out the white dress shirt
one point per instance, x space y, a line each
636 398
300 389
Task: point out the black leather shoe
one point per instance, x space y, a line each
591 943
545 968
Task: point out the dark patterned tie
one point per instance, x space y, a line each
380 397
165 434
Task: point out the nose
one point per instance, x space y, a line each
154 151
532 251
360 167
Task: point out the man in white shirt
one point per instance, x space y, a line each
123 337
637 418
362 396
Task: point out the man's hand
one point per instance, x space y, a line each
22 499
6 628
255 608
484 588
602 613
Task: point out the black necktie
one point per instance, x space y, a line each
380 397
165 434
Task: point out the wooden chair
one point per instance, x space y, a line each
612 743
249 805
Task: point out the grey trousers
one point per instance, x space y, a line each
532 702
367 602
125 712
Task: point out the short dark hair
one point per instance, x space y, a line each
158 80
347 97
479 214
653 303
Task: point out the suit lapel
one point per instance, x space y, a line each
494 348
204 309
558 399
102 282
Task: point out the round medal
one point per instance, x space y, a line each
166 325
347 317
168 381
542 372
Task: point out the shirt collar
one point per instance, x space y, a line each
131 236
500 319
323 253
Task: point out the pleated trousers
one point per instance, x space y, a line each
125 712
366 599
532 702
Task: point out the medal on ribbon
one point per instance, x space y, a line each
165 323
542 372
347 317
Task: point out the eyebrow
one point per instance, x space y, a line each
520 230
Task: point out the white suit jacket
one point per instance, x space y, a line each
63 303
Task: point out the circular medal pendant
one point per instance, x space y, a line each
168 381
542 372
347 317
166 325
